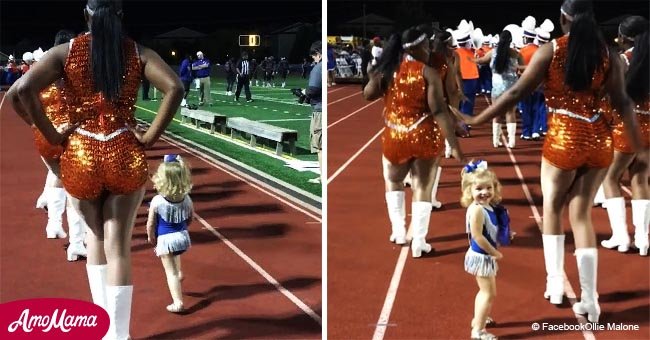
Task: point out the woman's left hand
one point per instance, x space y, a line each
63 132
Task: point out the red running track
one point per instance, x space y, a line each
226 297
433 298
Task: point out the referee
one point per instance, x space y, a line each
243 77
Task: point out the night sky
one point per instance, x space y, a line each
40 20
490 16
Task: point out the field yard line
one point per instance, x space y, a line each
285 120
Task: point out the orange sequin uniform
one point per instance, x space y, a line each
621 141
406 105
572 142
51 101
110 160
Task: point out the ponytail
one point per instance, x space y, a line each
586 45
503 52
390 60
107 60
637 79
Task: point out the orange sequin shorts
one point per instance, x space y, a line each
44 148
92 165
424 141
572 143
622 142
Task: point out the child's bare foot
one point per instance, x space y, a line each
175 307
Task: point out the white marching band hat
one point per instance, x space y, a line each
528 27
464 32
517 35
38 54
544 31
28 56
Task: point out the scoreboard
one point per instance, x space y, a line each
249 40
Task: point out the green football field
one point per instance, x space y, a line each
275 106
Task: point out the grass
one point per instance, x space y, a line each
272 106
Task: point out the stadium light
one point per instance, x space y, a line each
173 53
249 40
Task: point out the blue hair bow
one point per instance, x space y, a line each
472 166
170 158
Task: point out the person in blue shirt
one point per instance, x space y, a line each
202 68
185 73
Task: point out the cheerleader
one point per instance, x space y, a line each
415 121
170 213
633 37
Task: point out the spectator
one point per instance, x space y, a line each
230 75
202 67
315 92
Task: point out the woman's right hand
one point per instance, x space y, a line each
497 255
63 132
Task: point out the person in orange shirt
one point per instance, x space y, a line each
529 105
484 71
468 67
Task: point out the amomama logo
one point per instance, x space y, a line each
52 318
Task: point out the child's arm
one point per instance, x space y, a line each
151 226
191 218
476 221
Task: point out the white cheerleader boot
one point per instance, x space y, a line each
617 220
41 202
587 259
420 215
77 230
118 306
397 215
97 282
56 198
496 134
640 220
600 198
434 202
512 131
554 263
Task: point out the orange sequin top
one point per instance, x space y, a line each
89 107
406 100
54 110
558 95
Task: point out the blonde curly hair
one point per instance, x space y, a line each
478 176
173 179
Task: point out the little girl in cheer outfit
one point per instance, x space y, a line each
480 191
170 213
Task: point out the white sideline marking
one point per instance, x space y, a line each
344 98
351 114
261 271
284 120
332 91
345 165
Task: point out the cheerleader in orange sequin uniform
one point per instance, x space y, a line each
104 165
633 36
578 147
54 196
415 113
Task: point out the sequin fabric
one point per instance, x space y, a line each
406 104
51 102
572 143
90 166
621 141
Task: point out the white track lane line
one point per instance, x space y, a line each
332 91
345 165
232 173
344 98
568 289
261 271
352 114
